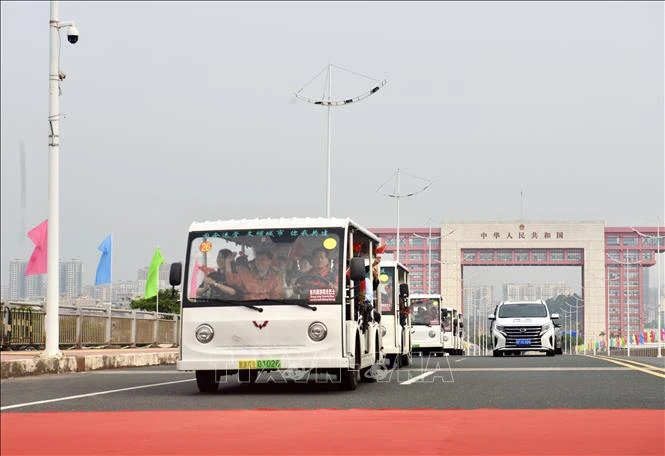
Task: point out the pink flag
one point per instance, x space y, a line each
39 236
194 282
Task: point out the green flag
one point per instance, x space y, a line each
152 282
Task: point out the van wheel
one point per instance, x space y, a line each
405 360
391 360
550 353
496 353
206 380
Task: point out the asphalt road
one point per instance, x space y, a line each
526 382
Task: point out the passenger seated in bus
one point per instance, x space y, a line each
321 265
214 286
261 282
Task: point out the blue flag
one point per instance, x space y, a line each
104 267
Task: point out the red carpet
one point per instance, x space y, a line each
308 432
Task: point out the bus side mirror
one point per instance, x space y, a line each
175 274
357 269
404 290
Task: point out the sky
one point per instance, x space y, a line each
175 112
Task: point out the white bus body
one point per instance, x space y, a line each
313 324
426 335
451 331
393 291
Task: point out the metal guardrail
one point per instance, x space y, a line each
23 328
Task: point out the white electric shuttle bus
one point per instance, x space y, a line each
426 335
451 331
393 293
277 295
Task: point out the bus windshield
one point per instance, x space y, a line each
387 290
278 266
425 311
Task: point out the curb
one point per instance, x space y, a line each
69 364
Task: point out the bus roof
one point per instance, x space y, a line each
276 223
426 295
393 263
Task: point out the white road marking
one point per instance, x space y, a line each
458 360
99 393
419 377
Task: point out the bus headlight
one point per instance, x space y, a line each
317 331
431 333
204 333
383 331
445 338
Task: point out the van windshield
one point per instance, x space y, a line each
266 266
526 310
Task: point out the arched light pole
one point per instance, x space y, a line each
52 345
397 195
329 102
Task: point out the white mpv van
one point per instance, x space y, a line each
521 326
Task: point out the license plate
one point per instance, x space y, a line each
523 342
260 364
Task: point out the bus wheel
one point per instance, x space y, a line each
349 378
206 380
390 361
405 360
370 374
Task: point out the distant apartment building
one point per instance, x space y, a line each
33 287
142 275
71 278
532 291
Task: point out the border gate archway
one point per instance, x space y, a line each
529 244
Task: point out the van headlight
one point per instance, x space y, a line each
317 331
500 328
204 333
547 327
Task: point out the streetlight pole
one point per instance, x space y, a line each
52 324
330 103
396 194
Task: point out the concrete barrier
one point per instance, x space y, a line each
14 364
